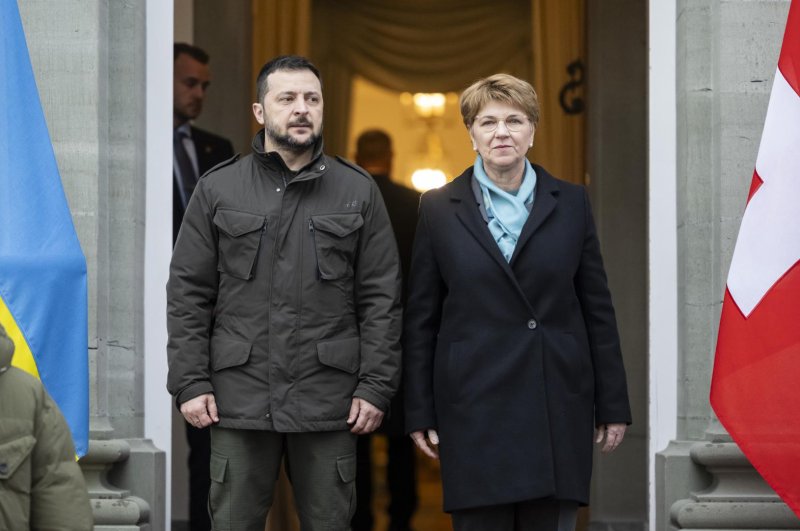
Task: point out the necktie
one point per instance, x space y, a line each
187 179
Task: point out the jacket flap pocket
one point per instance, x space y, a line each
346 465
235 223
342 354
13 453
227 352
338 224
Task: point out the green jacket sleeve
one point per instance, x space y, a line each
377 286
191 297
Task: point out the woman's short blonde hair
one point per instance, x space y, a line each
504 88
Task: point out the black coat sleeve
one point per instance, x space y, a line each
426 293
591 286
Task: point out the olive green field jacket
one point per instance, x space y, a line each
41 484
284 294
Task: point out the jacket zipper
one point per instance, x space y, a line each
258 249
314 246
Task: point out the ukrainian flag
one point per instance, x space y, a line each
43 300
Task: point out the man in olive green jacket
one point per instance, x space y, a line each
284 312
41 485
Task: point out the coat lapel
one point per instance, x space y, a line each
468 214
543 205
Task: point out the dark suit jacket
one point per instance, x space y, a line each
211 150
513 363
402 204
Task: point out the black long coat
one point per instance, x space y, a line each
513 363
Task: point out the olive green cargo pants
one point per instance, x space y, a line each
244 469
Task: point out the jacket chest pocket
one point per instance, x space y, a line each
240 236
335 238
15 465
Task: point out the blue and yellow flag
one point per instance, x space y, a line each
43 299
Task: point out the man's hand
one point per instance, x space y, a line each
429 447
364 417
200 411
613 433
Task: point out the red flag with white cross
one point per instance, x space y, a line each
755 388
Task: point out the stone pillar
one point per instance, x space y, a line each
88 58
726 59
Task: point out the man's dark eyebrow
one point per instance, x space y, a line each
296 92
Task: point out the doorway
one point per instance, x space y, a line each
612 145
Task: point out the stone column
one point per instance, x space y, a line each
88 57
726 59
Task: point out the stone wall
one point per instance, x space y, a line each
89 57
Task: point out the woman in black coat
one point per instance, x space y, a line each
512 357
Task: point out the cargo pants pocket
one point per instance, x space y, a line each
346 465
219 494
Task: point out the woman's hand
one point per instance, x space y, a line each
429 445
614 433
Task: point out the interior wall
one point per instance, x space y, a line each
223 30
375 107
617 175
183 21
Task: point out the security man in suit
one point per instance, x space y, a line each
194 152
374 154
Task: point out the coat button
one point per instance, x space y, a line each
532 324
322 167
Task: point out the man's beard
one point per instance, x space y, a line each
286 141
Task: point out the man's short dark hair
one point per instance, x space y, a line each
373 145
196 53
283 62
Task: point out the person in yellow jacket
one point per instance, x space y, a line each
41 484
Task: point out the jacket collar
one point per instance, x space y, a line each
274 162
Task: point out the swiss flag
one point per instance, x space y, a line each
755 389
